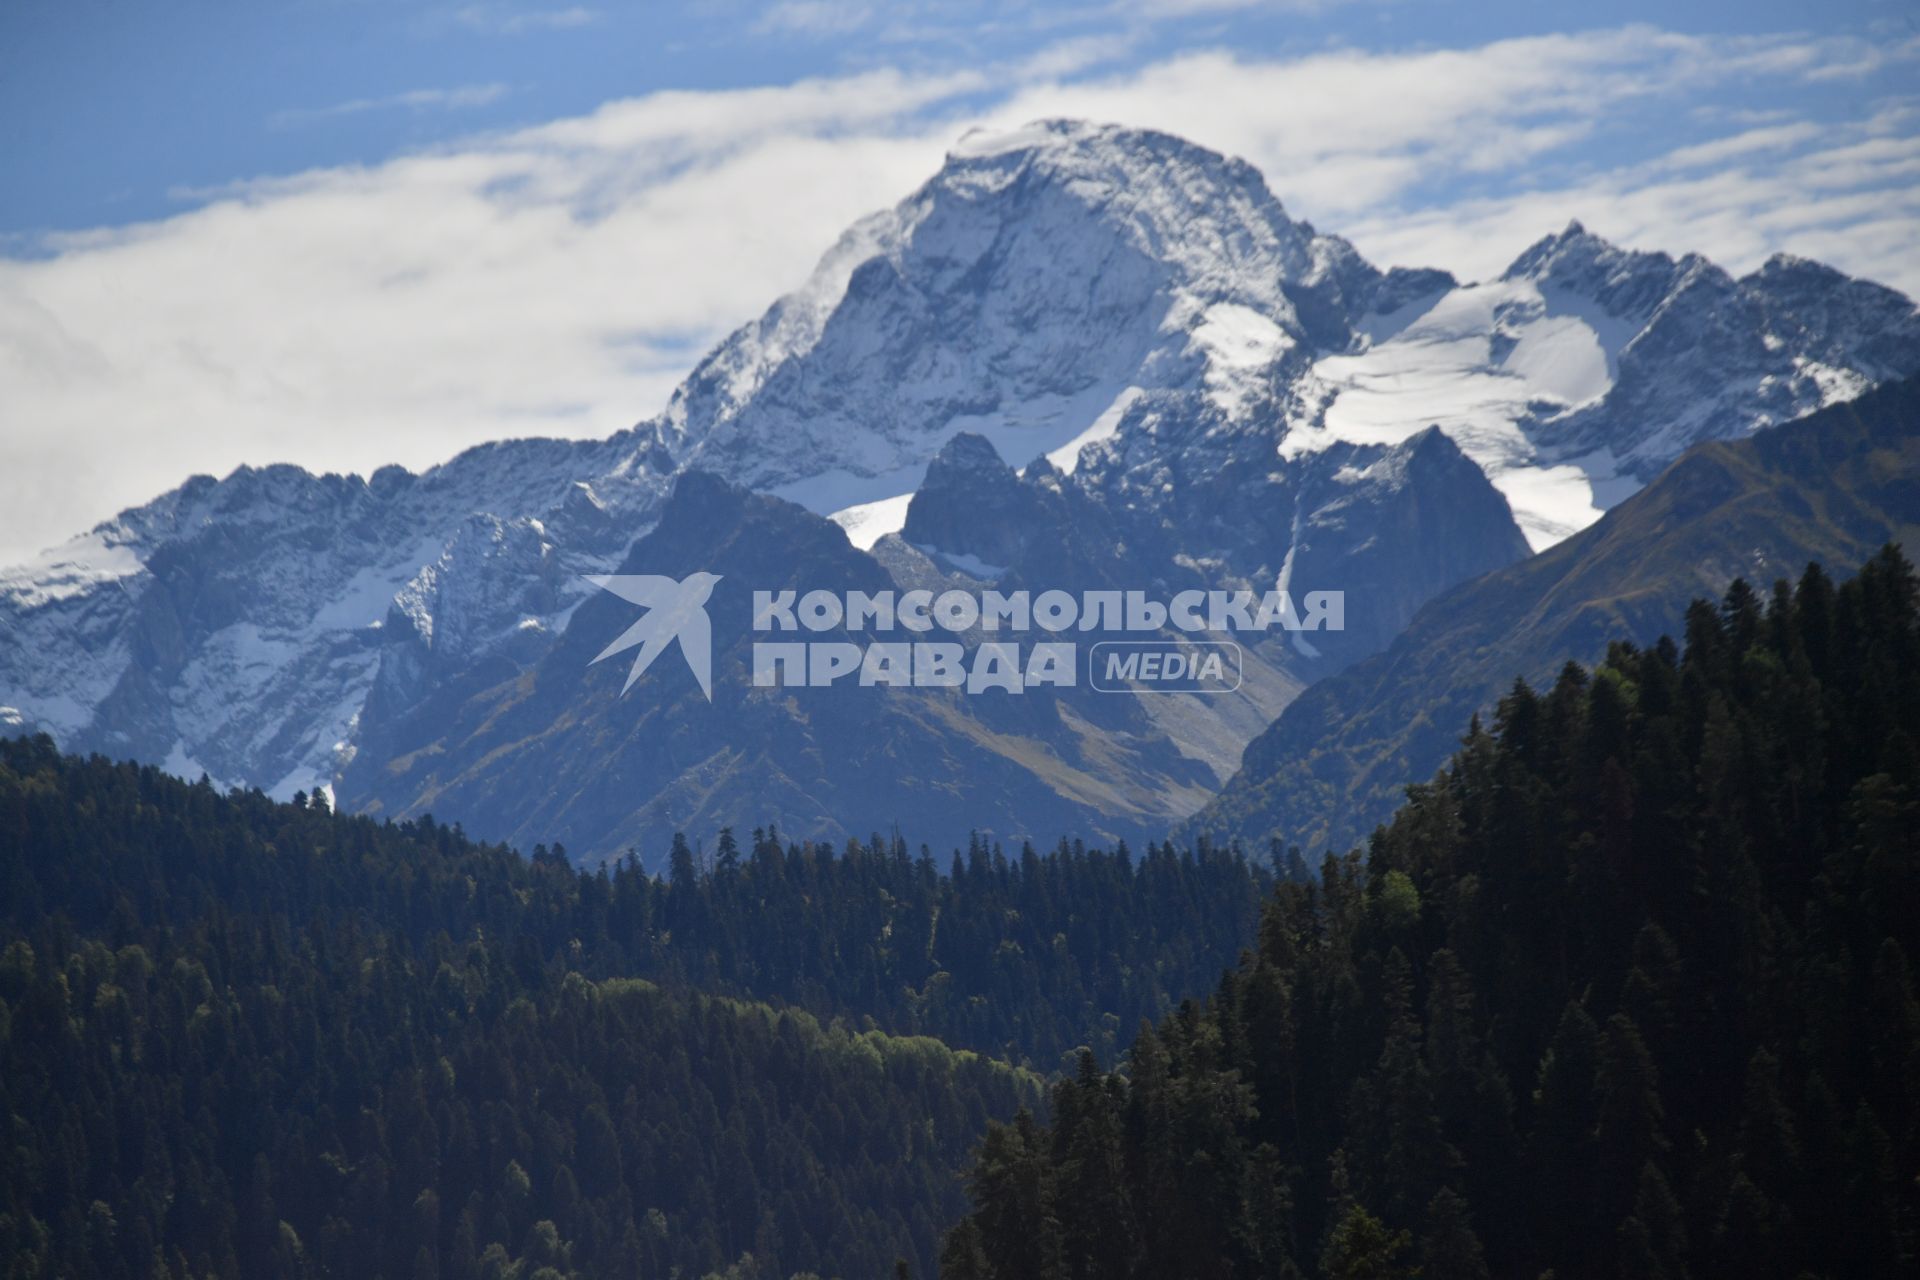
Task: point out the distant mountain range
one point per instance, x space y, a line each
552 751
1832 488
1196 388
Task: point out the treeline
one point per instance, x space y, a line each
1027 957
1628 990
236 1041
241 1038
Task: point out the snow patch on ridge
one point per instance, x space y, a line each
1241 347
364 600
181 764
1483 363
984 144
1059 426
1067 456
868 522
71 569
1836 385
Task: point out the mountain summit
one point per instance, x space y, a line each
1024 293
1205 390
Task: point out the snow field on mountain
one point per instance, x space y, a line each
869 507
1482 362
1061 287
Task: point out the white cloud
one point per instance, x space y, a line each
561 279
509 20
1867 58
1769 138
1342 132
1851 200
557 280
1386 148
1073 56
465 96
813 18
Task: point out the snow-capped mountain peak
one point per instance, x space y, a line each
1585 367
1626 285
1141 314
1040 277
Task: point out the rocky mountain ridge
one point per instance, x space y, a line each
1171 359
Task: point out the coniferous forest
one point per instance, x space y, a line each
1627 990
241 1038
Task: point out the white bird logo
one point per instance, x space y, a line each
675 610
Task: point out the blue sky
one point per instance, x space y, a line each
345 232
122 111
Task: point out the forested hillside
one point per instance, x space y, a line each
242 1038
1832 487
1027 958
1628 990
